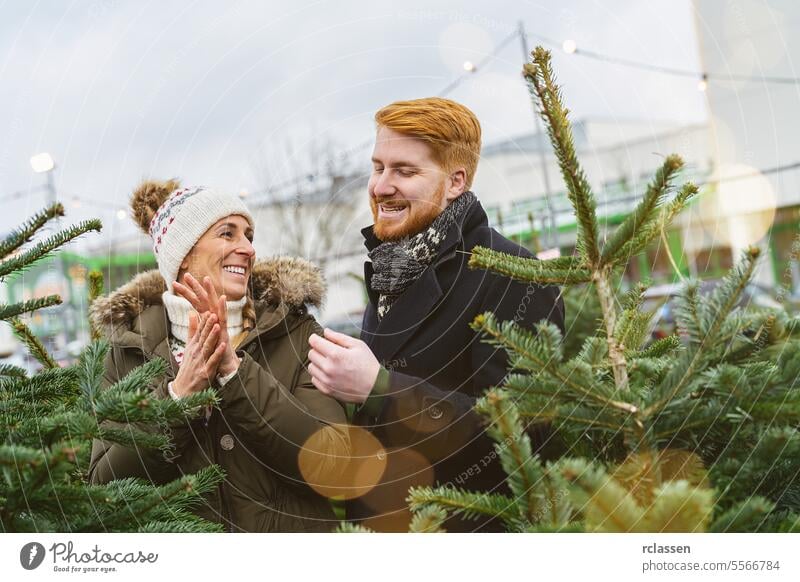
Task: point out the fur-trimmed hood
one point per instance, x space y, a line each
280 281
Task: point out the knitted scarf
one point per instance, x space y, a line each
397 264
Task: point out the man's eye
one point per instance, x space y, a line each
406 173
377 170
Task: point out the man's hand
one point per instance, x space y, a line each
342 366
205 301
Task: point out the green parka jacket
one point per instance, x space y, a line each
268 411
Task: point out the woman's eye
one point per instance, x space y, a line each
227 233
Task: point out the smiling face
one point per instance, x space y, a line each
408 189
224 253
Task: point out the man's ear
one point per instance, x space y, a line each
456 184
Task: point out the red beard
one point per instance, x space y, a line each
421 213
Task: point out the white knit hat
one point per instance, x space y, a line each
182 219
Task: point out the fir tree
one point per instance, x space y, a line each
49 420
693 435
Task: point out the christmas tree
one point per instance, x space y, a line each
670 436
50 418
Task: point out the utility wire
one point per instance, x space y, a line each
699 75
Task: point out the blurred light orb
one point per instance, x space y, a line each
744 201
469 66
462 42
338 477
569 46
42 163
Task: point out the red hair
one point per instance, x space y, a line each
452 130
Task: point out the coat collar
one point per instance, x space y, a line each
134 314
418 301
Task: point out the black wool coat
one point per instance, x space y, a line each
438 367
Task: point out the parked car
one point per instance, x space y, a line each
661 301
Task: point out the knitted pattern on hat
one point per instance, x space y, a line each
183 218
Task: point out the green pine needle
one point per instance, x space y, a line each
43 249
540 75
646 211
428 520
562 271
25 233
34 345
15 309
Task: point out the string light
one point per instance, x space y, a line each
703 77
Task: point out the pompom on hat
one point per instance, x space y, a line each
176 217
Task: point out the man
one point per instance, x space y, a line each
420 368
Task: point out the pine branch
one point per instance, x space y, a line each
428 520
543 347
539 74
513 446
723 300
653 227
467 504
520 342
645 211
679 507
35 347
133 438
347 527
137 501
25 233
604 503
616 353
186 525
562 271
90 368
43 249
12 371
95 291
746 516
50 384
660 348
576 416
15 309
135 383
38 468
632 329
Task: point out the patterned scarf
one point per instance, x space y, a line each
397 264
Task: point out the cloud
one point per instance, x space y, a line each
117 91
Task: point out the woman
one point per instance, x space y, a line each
242 327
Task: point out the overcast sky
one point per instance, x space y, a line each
214 92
